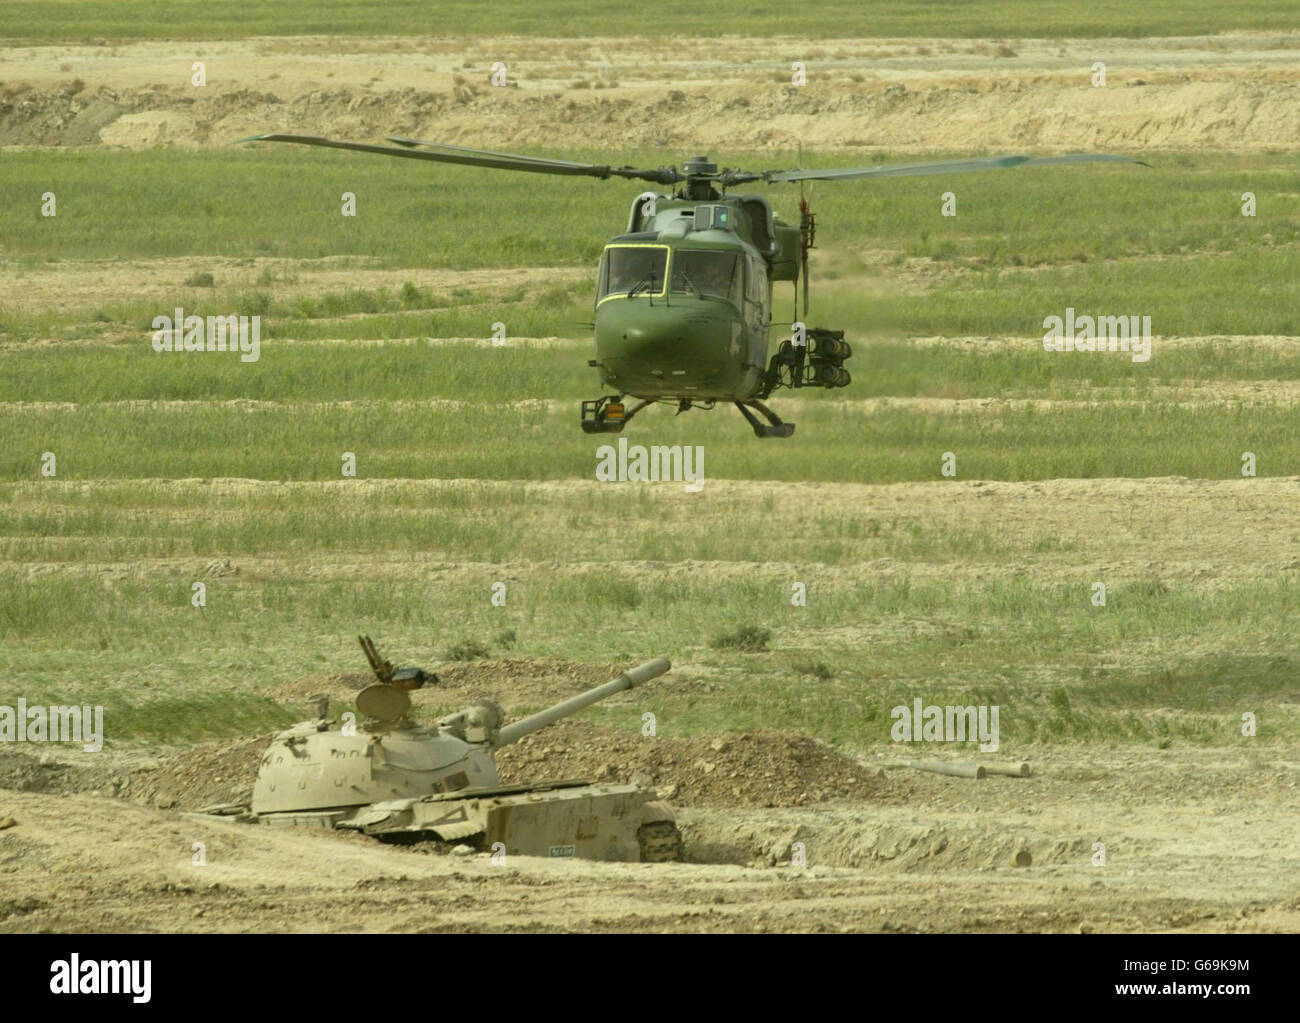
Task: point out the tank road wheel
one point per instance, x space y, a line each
660 842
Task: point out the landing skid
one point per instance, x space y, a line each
608 415
774 427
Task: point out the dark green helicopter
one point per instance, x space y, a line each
684 295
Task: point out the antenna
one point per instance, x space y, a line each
794 315
383 669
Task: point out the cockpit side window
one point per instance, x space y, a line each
755 284
628 267
708 272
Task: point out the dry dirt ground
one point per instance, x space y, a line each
1194 841
1236 91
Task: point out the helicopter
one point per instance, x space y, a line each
683 304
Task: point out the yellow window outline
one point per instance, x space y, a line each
668 268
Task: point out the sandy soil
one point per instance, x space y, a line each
1237 91
1185 851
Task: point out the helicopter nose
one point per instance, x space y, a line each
665 350
668 338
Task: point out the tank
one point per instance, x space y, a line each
388 777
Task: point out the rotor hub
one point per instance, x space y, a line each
700 166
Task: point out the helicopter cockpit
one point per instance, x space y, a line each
708 272
628 270
632 269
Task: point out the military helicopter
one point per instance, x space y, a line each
684 296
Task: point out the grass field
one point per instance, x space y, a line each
938 596
1023 241
224 19
417 561
266 200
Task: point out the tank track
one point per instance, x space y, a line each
660 842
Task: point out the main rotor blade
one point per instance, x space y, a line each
483 158
403 141
661 175
906 170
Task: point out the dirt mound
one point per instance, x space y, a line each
1174 111
1237 92
217 772
762 769
212 773
24 770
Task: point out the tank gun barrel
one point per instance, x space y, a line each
630 678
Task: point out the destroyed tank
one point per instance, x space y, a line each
391 778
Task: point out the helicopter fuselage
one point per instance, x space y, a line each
684 297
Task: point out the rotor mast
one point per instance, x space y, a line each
700 173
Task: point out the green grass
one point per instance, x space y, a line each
226 19
266 200
277 201
482 522
306 442
192 718
96 564
416 371
1162 659
1168 242
1250 291
1089 674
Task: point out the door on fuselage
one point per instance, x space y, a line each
757 296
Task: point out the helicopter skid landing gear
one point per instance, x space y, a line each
774 427
607 414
